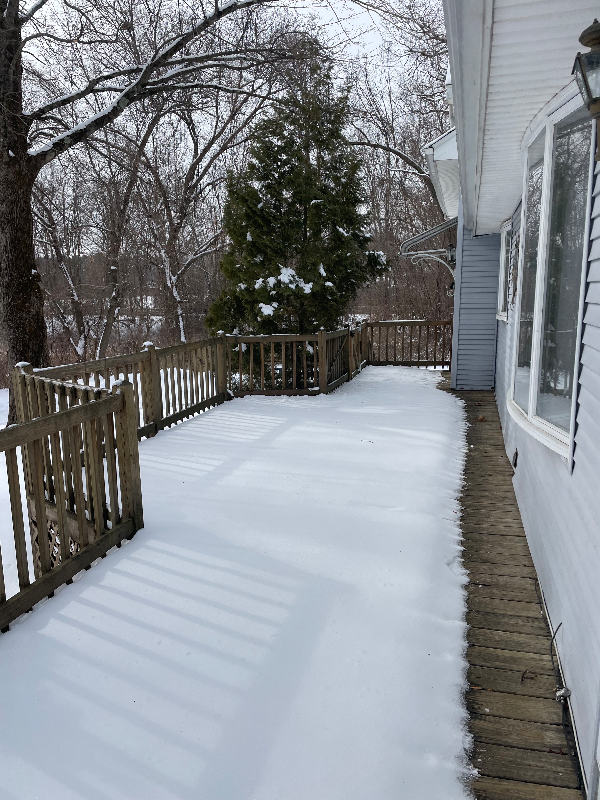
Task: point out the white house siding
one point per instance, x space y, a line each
507 59
476 294
560 511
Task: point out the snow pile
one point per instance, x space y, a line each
288 276
288 626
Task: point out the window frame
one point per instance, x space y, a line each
504 275
555 438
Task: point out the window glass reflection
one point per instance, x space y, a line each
570 172
530 258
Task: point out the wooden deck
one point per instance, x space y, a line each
520 747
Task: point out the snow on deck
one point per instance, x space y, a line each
288 625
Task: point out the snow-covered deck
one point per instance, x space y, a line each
288 625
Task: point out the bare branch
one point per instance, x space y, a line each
136 90
32 11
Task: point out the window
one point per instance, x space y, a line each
530 261
551 271
568 203
505 261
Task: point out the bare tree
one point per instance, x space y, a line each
60 235
68 71
187 170
398 107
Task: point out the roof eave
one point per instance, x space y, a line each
469 27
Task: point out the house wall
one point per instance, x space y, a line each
475 299
561 511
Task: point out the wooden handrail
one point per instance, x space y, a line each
398 322
79 443
21 434
89 367
410 343
81 478
172 383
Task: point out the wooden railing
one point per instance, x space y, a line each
81 482
410 343
278 364
294 364
173 383
81 490
169 384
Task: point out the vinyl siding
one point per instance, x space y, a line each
475 308
560 509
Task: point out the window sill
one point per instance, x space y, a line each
552 442
502 316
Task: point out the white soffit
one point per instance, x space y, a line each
525 52
442 161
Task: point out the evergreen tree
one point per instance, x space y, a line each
298 251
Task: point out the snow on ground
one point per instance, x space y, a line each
288 625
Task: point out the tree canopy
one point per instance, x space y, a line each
299 250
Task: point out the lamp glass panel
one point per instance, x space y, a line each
581 84
530 260
591 63
568 203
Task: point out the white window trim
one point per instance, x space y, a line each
504 238
558 440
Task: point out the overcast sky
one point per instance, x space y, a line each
353 31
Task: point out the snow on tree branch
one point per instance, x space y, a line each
147 81
32 11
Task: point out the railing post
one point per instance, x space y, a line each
151 389
22 369
349 352
20 390
360 347
222 365
129 459
323 365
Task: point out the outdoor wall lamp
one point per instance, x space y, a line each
587 73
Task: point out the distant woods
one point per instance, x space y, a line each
124 174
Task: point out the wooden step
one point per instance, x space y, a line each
500 543
532 766
507 624
514 661
503 640
475 564
497 789
512 608
512 706
525 682
503 581
480 587
518 733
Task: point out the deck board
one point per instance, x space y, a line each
520 747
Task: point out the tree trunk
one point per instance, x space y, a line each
21 296
112 281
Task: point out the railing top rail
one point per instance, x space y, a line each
392 322
100 364
182 348
67 385
334 334
276 337
81 367
25 432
